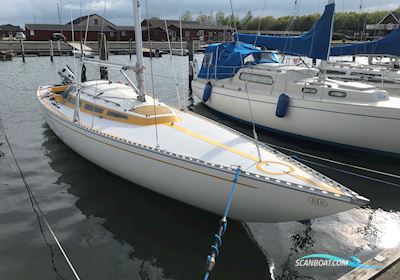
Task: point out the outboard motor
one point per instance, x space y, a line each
67 75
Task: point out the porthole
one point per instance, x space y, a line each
335 93
309 90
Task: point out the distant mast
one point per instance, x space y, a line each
139 50
324 63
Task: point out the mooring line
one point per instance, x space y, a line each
336 162
347 172
32 197
223 224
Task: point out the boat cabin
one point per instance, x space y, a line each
224 60
118 103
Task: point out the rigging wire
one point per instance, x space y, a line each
181 41
87 24
35 202
100 50
77 102
336 162
59 13
347 172
172 62
247 93
260 21
151 75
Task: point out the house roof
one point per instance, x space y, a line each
186 24
161 22
395 14
66 27
82 18
10 27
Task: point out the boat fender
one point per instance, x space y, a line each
282 106
207 91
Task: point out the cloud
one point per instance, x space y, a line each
121 11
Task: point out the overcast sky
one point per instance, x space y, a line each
120 12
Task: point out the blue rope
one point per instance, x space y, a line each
347 172
223 224
228 204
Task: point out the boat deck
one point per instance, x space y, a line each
199 138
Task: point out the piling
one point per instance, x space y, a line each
191 57
103 55
130 49
51 51
22 49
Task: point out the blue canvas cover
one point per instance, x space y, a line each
224 60
389 45
314 44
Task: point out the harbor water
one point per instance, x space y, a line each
114 229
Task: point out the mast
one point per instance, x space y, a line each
324 63
139 50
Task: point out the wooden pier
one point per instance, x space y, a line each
389 260
43 48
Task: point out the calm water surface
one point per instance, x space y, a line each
113 229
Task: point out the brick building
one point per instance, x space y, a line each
96 25
9 30
190 30
155 27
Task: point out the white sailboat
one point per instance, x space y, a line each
297 100
182 155
383 75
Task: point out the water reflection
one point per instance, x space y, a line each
113 229
165 239
360 232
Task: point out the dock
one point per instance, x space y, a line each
42 48
389 260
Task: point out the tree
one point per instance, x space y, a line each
246 20
187 16
202 18
220 18
210 18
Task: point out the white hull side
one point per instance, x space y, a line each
201 186
358 126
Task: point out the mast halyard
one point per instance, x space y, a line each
139 50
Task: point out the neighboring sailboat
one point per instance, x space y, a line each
182 155
293 99
386 75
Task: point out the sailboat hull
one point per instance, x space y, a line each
205 187
373 128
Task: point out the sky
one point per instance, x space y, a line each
120 12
